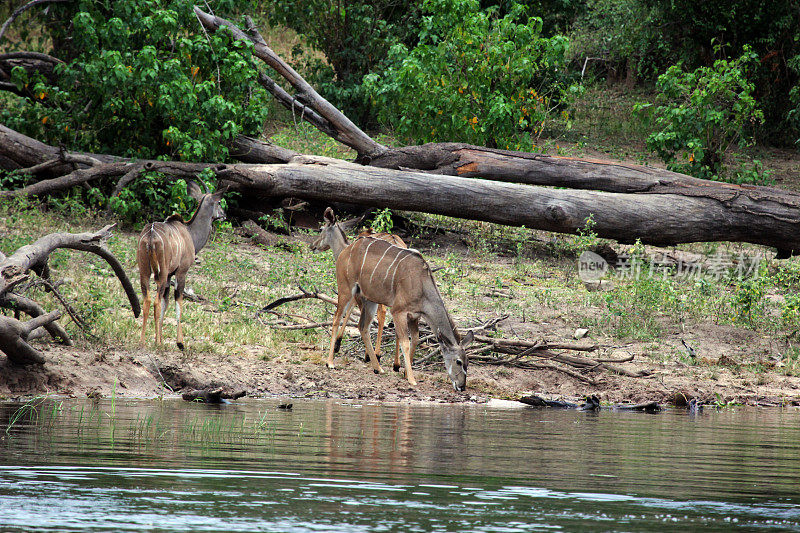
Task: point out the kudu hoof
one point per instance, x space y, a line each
330 366
180 346
396 368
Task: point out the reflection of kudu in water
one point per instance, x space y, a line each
371 438
167 249
332 237
372 271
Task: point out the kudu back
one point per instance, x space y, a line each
168 249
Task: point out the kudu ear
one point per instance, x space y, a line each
468 338
329 216
194 190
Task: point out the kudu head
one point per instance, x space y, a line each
208 210
455 359
331 234
207 203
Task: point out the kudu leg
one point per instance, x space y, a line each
401 327
181 283
367 314
145 312
159 310
381 315
343 308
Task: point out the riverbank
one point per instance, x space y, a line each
722 339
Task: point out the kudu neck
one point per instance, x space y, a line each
436 314
338 241
200 225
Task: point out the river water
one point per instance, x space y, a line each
169 465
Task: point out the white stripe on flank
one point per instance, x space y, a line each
390 265
364 259
375 268
398 266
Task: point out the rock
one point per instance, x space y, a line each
580 333
599 285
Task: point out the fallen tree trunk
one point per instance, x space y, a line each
518 167
667 211
659 218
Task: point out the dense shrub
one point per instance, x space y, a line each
702 113
139 82
355 37
475 77
640 39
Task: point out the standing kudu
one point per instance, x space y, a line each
168 249
372 271
332 237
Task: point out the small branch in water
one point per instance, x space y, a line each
212 395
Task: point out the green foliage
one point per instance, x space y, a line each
355 37
790 312
702 114
748 299
626 35
639 39
487 80
383 221
140 83
636 306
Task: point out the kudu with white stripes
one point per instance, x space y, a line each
372 271
168 249
332 237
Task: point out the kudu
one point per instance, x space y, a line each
332 237
372 271
168 249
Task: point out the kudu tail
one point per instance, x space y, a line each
151 248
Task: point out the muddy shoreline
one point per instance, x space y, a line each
92 371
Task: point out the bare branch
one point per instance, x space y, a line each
33 309
14 335
346 132
17 12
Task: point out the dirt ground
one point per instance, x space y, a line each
95 371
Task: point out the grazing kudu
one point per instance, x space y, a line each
372 271
332 237
168 249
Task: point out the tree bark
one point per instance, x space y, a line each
32 309
15 334
666 217
656 206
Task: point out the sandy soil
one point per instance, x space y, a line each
94 371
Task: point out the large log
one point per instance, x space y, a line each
657 207
665 217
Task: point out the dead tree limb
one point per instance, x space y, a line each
35 255
345 131
663 219
688 210
25 305
14 336
17 12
